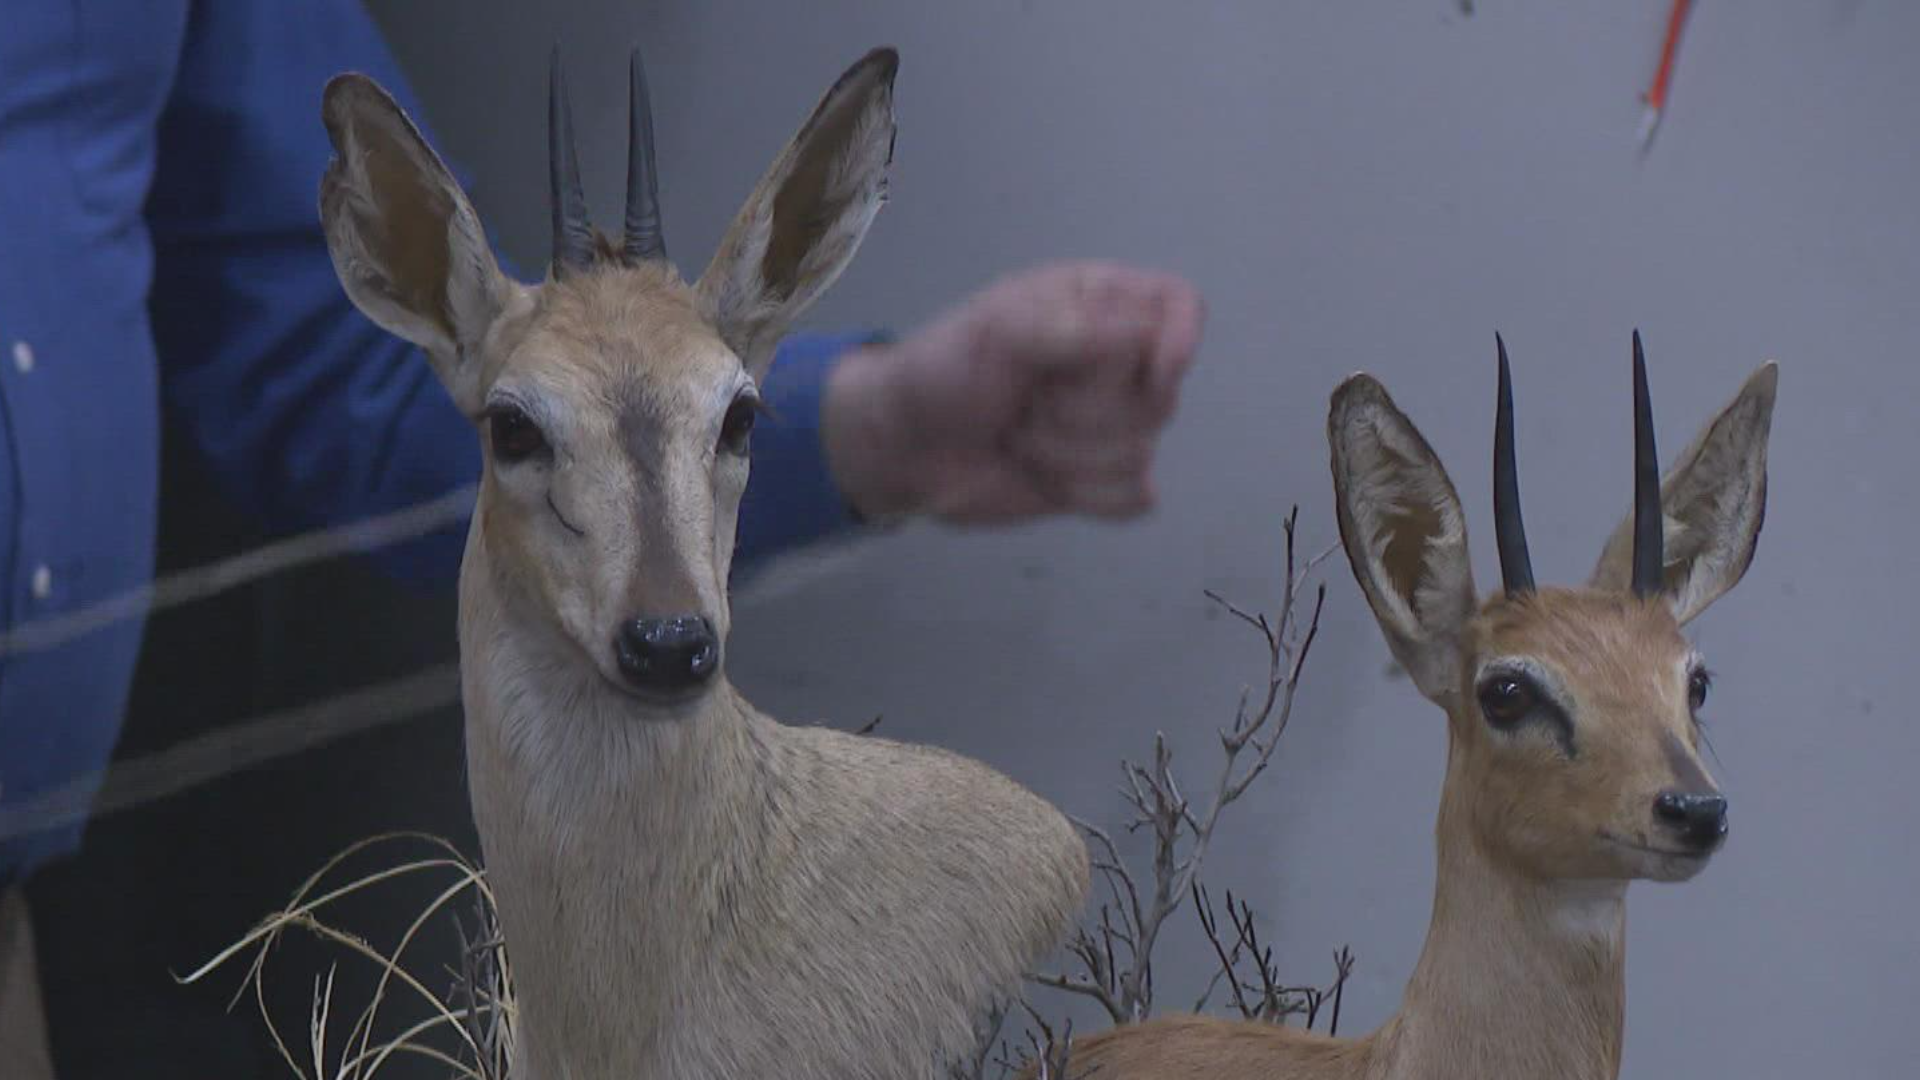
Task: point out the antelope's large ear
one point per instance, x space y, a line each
405 242
1404 532
1712 502
802 224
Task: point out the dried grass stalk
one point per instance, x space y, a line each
475 1016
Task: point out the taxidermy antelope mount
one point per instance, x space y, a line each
1573 760
687 888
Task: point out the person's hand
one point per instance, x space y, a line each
1046 393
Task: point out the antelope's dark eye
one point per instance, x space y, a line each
736 429
1698 684
1507 699
515 436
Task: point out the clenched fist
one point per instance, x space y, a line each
1046 393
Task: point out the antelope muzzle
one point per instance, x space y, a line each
1698 821
672 657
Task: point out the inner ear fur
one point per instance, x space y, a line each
1404 533
1713 503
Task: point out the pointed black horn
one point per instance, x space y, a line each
644 240
1649 563
572 234
1516 566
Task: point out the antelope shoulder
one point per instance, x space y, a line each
896 866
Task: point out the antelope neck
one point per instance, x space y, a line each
1519 976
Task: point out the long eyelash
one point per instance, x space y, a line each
1700 726
1718 765
1705 677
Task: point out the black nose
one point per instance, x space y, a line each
668 655
1700 821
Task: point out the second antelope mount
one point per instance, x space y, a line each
1573 761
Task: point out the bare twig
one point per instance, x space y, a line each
1114 955
1229 960
1046 1056
975 1067
1263 996
1343 963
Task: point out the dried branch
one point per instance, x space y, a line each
1114 956
1263 996
1229 960
1046 1056
975 1067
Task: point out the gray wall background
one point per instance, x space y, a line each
1378 187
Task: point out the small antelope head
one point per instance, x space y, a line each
614 400
1573 713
